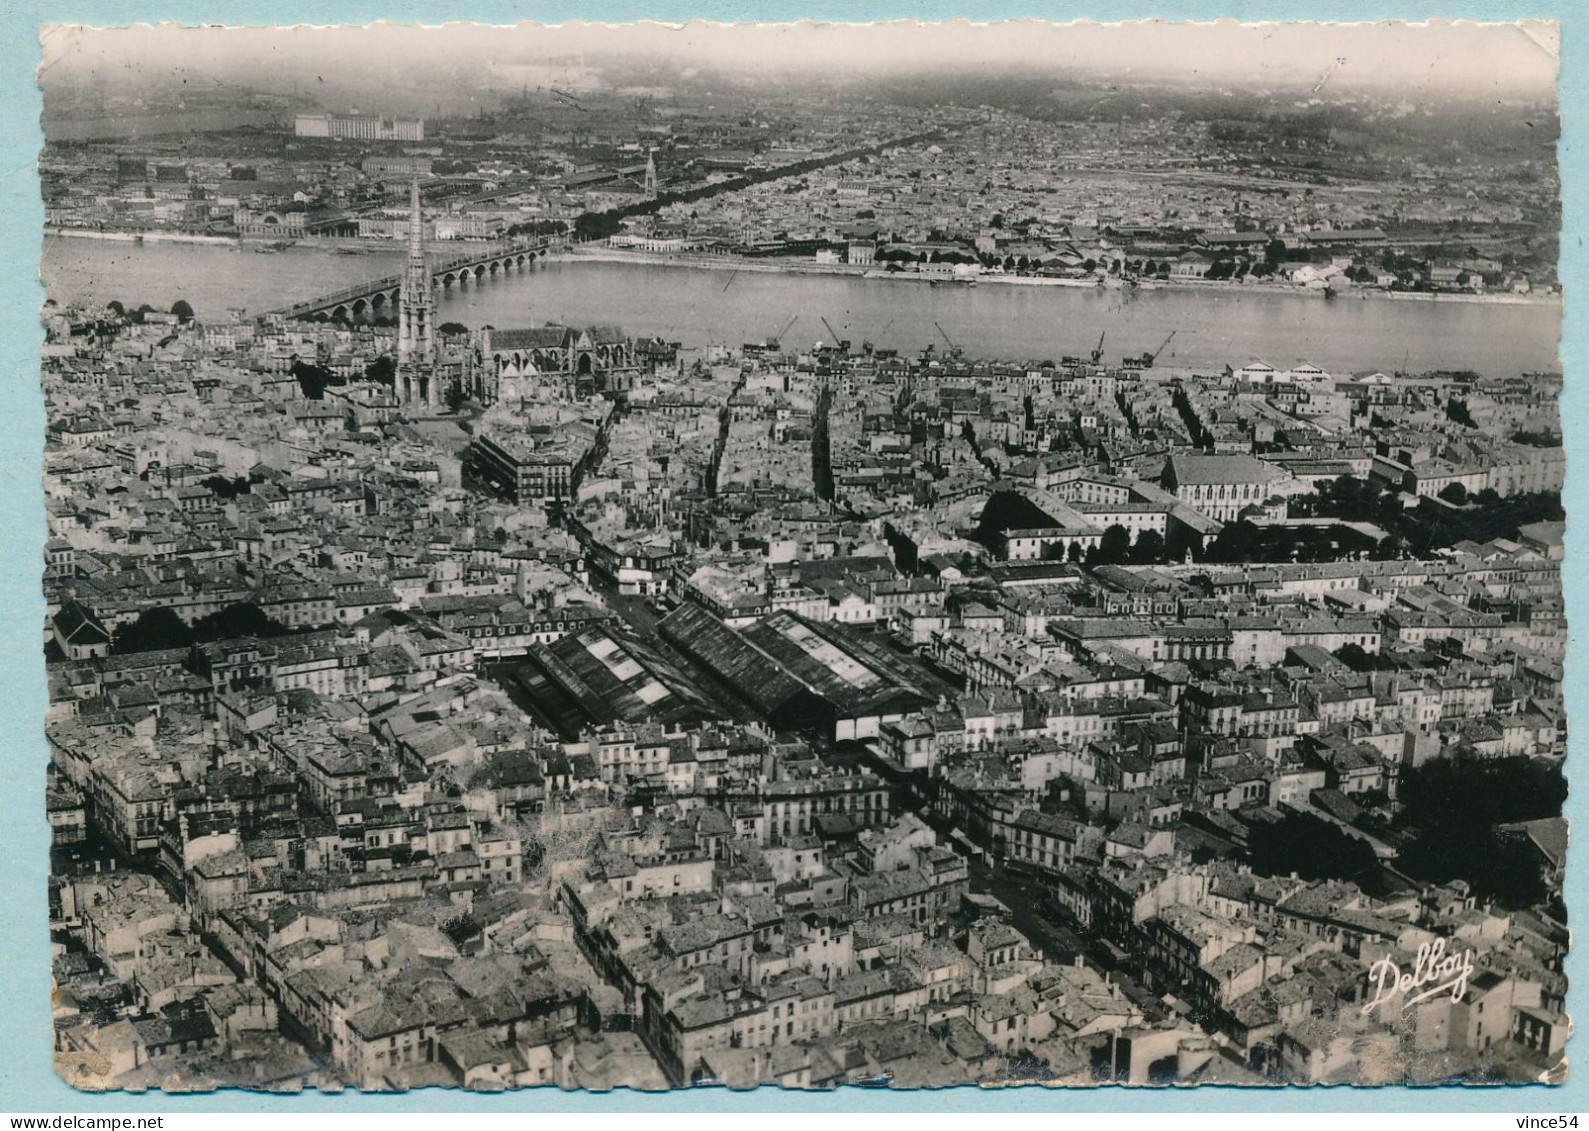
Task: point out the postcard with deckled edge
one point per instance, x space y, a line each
820 556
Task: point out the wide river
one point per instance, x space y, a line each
700 307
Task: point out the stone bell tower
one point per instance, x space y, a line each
416 318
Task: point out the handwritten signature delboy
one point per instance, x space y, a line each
1447 972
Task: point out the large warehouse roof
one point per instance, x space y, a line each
785 657
597 676
752 673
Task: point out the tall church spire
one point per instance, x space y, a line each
416 244
416 345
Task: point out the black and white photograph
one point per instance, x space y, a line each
808 556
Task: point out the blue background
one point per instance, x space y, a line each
28 1083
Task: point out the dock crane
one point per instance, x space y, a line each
773 344
1097 353
1149 358
954 350
837 341
776 340
1146 360
867 347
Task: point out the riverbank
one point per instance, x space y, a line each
1491 300
117 236
342 245
593 253
602 254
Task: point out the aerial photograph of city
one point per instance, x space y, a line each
882 556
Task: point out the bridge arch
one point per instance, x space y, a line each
359 310
479 271
340 313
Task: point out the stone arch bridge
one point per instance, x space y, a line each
365 302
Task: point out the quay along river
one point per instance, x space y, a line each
700 306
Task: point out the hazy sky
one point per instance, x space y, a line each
335 62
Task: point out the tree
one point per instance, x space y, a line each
383 370
239 619
1149 548
1236 542
1311 847
182 311
1356 657
313 379
1392 549
452 328
1544 438
1452 807
155 629
1452 795
455 397
1455 494
1074 554
225 488
1114 548
1458 411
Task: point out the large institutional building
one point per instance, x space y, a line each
513 467
359 127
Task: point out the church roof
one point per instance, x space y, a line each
556 337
